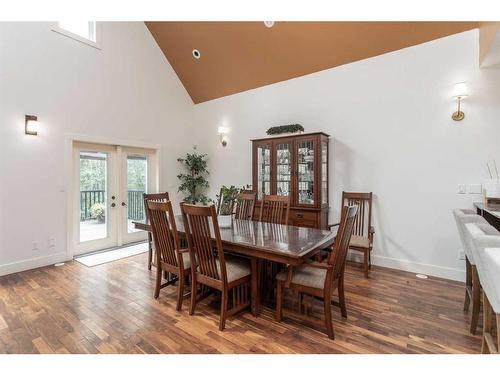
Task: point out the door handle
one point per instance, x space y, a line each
124 204
113 204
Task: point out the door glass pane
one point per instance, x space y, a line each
283 169
263 170
93 187
324 173
305 158
137 177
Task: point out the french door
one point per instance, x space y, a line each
108 185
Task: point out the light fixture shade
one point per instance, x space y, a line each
222 130
31 125
460 90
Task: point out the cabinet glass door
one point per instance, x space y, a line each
263 170
283 155
305 172
324 172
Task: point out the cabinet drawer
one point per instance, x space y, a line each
304 218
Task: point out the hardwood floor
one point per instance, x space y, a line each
111 309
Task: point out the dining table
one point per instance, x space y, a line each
263 242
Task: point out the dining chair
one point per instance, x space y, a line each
362 236
154 197
245 206
213 269
275 209
472 283
321 279
169 255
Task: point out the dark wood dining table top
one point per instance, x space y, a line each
280 243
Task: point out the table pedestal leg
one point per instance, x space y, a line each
255 286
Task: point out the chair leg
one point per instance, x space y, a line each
150 250
223 310
279 301
486 324
369 259
180 293
468 283
476 300
366 264
340 289
158 282
194 291
328 318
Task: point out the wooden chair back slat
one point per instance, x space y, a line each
165 233
245 206
338 255
197 221
275 209
153 197
362 223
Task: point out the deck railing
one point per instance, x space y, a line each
135 204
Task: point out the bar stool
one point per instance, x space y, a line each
472 284
487 255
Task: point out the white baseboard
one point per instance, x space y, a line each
29 264
405 265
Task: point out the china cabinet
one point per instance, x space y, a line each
295 165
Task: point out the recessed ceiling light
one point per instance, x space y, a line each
269 24
421 276
196 54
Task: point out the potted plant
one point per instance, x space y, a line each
292 128
98 212
194 182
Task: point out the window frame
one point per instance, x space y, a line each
97 32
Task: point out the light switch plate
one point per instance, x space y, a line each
475 189
462 189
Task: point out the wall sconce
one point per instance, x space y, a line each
222 130
31 125
459 93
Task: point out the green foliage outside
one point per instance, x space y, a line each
93 174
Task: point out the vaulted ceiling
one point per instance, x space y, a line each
238 56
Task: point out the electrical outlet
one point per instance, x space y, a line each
34 246
461 254
462 189
52 242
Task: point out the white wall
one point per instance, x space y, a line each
126 91
392 133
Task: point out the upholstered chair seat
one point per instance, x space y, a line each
360 241
236 268
305 276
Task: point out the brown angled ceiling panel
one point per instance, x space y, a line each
238 56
